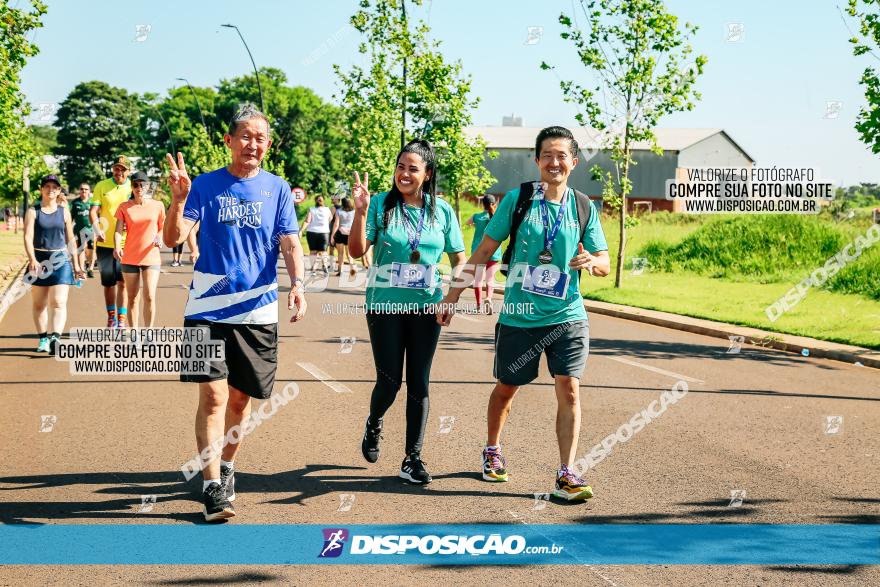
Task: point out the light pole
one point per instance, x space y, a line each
403 97
198 105
257 73
165 124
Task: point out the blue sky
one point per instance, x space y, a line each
769 90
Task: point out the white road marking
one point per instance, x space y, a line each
324 378
656 370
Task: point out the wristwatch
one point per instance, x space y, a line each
296 280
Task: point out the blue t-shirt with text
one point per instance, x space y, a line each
241 221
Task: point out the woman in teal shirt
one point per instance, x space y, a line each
479 221
410 229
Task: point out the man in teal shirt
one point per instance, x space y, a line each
82 229
543 309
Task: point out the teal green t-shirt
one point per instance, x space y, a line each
481 220
527 310
441 234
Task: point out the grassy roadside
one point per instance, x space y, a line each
843 318
11 254
848 319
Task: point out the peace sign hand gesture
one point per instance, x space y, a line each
178 179
361 192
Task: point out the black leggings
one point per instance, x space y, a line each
178 249
392 336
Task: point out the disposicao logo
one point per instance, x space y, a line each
334 541
477 545
443 545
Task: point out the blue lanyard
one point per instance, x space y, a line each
414 238
550 232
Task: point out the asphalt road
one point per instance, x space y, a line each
753 422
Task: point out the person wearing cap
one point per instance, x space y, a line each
142 218
108 195
484 276
50 248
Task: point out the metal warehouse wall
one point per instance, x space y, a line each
716 151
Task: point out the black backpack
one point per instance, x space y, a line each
524 203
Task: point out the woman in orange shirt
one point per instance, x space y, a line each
142 219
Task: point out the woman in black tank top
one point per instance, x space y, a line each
50 247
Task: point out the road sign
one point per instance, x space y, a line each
299 195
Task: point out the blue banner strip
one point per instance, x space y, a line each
460 544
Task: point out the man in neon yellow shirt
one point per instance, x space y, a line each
107 196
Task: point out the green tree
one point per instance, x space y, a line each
868 122
18 149
175 120
96 123
438 98
638 58
204 154
307 134
433 94
45 138
371 110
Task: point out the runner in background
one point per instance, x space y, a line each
341 229
411 229
143 218
176 253
108 195
558 234
50 246
484 275
82 229
191 243
317 229
336 201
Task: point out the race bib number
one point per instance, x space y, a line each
412 275
546 280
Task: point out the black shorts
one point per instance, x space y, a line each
90 242
340 239
140 268
317 241
518 351
110 268
251 352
